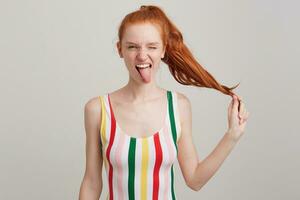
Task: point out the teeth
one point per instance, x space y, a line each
143 65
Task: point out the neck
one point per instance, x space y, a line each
137 92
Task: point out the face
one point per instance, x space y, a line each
141 44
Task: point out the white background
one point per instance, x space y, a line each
56 55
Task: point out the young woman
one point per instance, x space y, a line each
139 130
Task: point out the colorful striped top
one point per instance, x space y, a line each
140 168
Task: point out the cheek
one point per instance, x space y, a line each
129 60
157 57
156 63
129 57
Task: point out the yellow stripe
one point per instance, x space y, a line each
103 130
145 155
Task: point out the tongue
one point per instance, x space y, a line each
145 74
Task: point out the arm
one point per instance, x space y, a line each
91 186
197 173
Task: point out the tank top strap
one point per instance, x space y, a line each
174 116
104 126
105 118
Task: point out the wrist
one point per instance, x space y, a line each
230 136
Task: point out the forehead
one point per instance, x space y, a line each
142 33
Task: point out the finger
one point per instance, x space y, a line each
235 105
240 101
242 109
230 106
239 98
245 117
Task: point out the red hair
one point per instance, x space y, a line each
182 64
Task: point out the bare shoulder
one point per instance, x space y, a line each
183 101
92 110
184 106
93 105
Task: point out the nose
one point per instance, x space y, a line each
142 54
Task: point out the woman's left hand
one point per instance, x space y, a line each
237 118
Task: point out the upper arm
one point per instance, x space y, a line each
94 161
187 154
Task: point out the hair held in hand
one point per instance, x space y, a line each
182 64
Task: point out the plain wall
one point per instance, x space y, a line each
56 55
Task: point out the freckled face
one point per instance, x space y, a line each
141 44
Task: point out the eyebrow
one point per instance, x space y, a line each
150 43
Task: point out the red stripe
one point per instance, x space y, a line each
157 165
111 139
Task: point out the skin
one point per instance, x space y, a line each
139 98
141 43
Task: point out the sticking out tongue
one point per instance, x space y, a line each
145 74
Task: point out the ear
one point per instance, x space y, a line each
119 49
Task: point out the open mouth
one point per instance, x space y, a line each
145 71
143 66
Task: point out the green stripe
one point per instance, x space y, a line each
172 183
174 135
131 168
172 119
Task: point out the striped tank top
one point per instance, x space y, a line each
140 168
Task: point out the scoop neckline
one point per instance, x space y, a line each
142 137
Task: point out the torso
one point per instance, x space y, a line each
140 165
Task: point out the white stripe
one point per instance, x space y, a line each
172 157
125 166
164 164
113 163
176 114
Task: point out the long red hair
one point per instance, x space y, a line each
182 64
